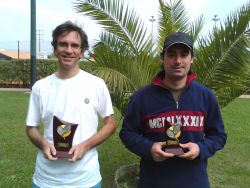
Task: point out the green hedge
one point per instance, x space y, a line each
16 73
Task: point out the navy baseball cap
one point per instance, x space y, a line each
178 38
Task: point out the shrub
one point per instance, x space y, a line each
16 73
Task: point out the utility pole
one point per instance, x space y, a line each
33 43
18 51
215 19
152 20
39 33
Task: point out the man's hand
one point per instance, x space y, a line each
48 150
42 143
78 152
104 133
193 151
158 154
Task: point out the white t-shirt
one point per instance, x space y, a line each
80 99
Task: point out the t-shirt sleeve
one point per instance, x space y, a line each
33 117
104 106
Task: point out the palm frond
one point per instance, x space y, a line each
196 27
172 17
126 58
116 19
227 48
119 67
223 58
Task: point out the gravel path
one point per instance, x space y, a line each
15 89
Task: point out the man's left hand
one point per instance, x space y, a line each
78 152
193 151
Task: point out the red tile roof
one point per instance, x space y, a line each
14 55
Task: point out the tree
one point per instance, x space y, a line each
127 60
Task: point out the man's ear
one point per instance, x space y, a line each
162 56
192 60
82 53
55 53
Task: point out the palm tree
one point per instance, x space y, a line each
127 60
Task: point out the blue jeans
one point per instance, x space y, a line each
34 185
99 185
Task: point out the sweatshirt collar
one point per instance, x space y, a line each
158 80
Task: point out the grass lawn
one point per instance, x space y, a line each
229 168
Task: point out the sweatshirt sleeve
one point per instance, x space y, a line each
214 133
131 131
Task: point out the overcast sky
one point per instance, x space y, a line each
15 17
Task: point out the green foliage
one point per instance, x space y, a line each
222 59
229 168
16 73
127 59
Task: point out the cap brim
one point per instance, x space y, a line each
191 48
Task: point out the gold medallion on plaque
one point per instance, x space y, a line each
173 133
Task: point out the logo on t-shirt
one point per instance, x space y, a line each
86 100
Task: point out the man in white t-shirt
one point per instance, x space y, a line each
76 96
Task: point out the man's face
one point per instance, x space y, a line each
68 50
177 61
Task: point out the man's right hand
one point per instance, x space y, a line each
38 140
48 150
158 154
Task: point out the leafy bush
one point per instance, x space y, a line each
16 73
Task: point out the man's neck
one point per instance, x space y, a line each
67 73
175 84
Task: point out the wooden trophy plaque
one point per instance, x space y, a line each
63 133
